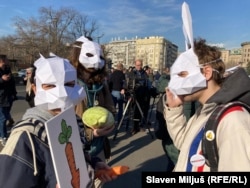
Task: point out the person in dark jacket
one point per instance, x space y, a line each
26 159
117 86
7 96
139 86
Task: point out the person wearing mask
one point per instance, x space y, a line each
233 129
86 56
202 68
26 159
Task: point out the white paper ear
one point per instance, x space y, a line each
82 39
41 56
39 61
187 61
42 59
187 25
52 54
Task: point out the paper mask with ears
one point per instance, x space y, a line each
56 71
91 53
186 62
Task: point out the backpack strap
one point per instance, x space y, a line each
209 145
33 126
37 128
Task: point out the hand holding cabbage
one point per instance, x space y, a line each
99 119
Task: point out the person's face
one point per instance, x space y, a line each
138 65
28 73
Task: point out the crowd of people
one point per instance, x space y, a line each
28 138
189 91
92 77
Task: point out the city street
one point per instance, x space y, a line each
140 152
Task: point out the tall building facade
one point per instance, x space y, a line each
245 52
121 51
155 51
232 57
235 58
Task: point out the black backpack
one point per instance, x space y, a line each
209 145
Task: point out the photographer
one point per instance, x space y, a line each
139 86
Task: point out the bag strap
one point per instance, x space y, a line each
209 145
37 128
33 126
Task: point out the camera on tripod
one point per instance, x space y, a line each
137 90
131 89
131 104
128 94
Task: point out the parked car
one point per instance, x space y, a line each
21 74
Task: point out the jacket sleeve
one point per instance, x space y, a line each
176 124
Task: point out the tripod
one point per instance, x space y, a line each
129 103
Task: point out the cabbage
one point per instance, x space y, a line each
98 117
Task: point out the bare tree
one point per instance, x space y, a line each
84 26
28 38
52 31
56 26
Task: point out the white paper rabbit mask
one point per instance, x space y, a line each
186 62
91 53
59 72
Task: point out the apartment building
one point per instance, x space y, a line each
245 53
155 51
232 57
235 58
121 51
